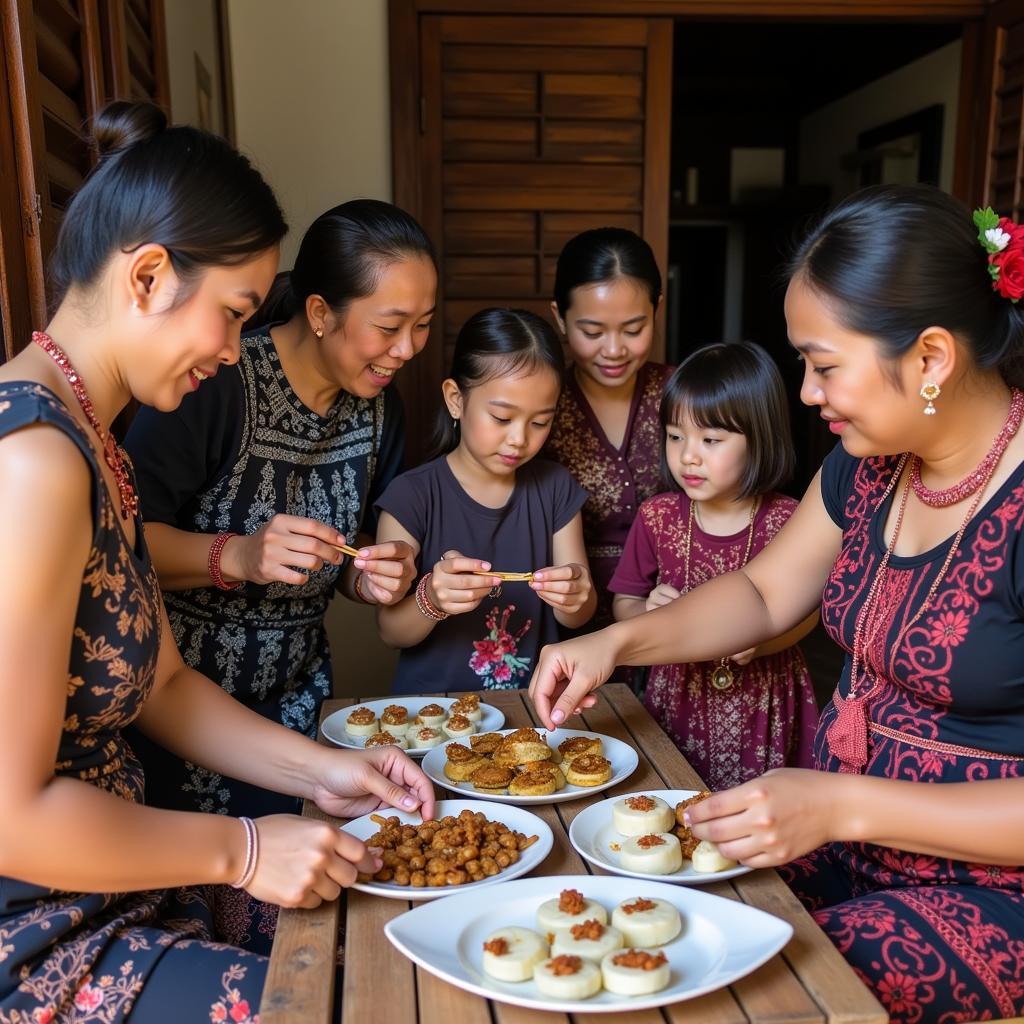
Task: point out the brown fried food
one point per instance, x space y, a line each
486 743
462 762
687 841
529 783
382 739
521 747
362 716
548 767
577 746
491 778
395 714
689 802
589 770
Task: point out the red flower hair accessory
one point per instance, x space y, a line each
1004 242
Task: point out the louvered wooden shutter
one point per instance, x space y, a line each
533 129
134 50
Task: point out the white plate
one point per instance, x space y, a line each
592 834
721 940
622 756
333 726
514 817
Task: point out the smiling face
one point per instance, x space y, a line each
504 421
845 377
189 342
708 463
610 328
379 333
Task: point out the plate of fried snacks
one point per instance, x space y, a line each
642 835
468 845
413 724
531 766
588 943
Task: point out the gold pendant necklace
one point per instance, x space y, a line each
722 677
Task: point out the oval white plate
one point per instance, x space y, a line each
592 835
514 817
722 940
333 726
622 756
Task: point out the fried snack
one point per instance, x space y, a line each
395 718
458 725
530 783
589 770
486 743
462 762
548 767
432 715
361 722
469 706
521 747
687 841
492 778
451 851
577 746
385 739
423 737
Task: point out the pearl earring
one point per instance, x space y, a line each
318 331
929 392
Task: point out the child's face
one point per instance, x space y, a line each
610 328
707 463
505 421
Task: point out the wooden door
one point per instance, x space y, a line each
530 130
135 50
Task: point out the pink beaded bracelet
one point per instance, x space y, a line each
213 561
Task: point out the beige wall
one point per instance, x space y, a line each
312 110
829 133
192 30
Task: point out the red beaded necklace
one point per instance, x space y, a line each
115 456
977 477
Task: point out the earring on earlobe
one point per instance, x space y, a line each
135 303
929 392
318 331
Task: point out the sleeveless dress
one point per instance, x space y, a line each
98 957
936 939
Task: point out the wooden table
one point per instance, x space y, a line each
808 981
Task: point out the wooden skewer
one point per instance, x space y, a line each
506 576
346 550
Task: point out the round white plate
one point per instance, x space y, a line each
722 940
333 726
592 835
622 756
514 817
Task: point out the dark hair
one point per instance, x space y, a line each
605 254
893 260
493 343
735 386
181 187
342 257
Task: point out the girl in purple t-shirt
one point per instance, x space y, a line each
726 447
482 505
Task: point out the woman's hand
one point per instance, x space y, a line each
663 593
302 862
453 586
563 586
279 548
348 784
785 813
567 672
388 570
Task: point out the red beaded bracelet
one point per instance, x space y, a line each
357 587
425 605
213 562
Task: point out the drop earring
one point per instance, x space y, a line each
929 392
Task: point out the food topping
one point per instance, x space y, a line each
362 716
459 722
639 959
638 905
570 901
592 929
395 714
649 841
431 711
382 739
640 803
499 946
562 965
458 754
590 764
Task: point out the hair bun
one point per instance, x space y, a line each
124 123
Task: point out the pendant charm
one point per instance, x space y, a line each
848 735
495 591
722 677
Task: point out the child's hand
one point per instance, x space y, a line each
454 588
388 570
563 586
744 657
663 593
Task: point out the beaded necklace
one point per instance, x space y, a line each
722 677
114 455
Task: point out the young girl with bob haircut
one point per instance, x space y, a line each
726 449
907 842
105 903
486 504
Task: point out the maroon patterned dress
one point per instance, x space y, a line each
936 939
766 719
99 958
618 479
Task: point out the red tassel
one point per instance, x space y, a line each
848 734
